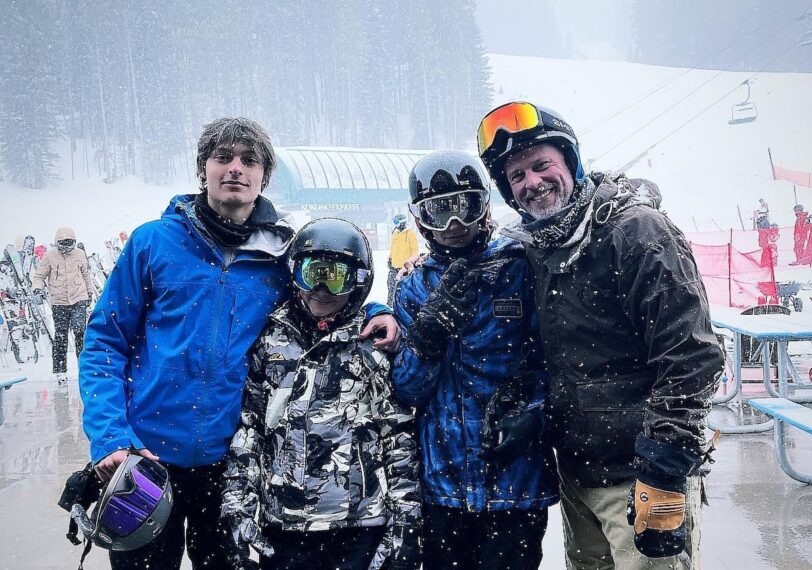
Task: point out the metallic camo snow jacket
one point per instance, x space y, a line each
322 444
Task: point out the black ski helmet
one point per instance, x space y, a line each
497 140
446 172
341 239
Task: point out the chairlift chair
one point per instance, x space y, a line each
745 111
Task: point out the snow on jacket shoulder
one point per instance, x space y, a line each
67 276
164 360
451 395
322 443
628 341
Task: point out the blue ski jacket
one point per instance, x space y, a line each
164 361
451 395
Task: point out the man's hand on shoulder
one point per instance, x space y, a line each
410 265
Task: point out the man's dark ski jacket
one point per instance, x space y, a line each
632 359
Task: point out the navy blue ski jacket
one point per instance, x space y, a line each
164 361
451 395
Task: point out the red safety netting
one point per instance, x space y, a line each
783 247
731 277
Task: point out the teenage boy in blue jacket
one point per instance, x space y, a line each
470 368
164 361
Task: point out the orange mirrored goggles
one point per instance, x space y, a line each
512 117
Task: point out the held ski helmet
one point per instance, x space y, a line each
516 126
133 508
333 253
447 186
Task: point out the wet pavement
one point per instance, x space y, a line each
758 517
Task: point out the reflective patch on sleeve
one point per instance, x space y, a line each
507 308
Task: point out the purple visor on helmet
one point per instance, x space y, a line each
133 509
134 498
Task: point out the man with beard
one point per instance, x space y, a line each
627 338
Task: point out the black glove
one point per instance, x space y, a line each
400 549
447 310
244 532
656 509
511 437
407 551
82 488
508 428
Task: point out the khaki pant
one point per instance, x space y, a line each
597 536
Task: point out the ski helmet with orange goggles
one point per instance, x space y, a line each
447 186
516 126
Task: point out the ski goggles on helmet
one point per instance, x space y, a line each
437 212
517 117
133 508
339 277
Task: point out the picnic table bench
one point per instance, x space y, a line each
784 411
766 328
6 385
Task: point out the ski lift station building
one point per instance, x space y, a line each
366 186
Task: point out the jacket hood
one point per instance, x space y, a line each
617 193
64 233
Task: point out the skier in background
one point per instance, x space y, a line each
768 241
801 234
65 271
761 216
403 246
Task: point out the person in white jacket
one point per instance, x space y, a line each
65 271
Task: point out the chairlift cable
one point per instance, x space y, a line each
696 116
617 112
741 38
668 109
665 111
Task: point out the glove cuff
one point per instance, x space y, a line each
675 460
653 477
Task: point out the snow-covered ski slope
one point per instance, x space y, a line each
707 166
704 169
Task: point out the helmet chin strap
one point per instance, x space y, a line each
322 323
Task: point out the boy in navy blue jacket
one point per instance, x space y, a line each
470 368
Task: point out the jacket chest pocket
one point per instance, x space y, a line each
615 395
